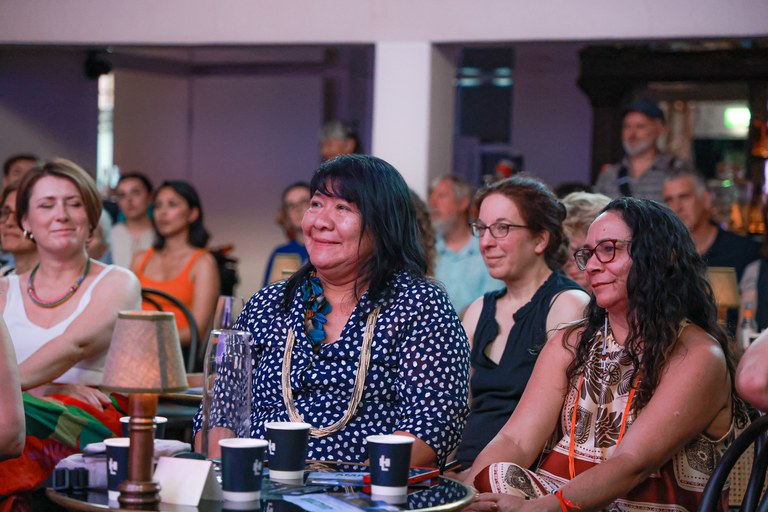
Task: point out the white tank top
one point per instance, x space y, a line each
28 338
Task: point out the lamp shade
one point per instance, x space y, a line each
145 354
725 287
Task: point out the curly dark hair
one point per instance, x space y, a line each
666 284
387 214
540 209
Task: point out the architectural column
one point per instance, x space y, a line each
413 110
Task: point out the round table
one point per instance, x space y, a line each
443 495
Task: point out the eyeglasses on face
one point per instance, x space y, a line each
498 229
605 252
7 213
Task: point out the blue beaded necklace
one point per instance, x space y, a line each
317 309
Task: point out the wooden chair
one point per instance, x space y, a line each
756 437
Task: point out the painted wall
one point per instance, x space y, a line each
47 105
309 21
551 117
240 140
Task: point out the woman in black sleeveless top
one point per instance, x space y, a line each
522 242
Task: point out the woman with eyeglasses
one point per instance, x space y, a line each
12 238
522 242
639 395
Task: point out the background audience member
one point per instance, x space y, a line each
60 316
459 262
12 239
362 295
98 245
427 231
179 263
642 170
754 284
523 244
581 208
752 373
12 422
135 233
338 138
16 166
649 358
685 192
291 255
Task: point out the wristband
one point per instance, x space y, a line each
565 504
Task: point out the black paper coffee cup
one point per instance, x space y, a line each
117 464
242 461
159 423
390 459
287 452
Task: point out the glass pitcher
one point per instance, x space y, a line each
227 377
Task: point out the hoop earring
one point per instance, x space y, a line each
28 235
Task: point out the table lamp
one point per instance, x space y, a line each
725 288
144 360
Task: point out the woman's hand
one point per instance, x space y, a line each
86 394
493 502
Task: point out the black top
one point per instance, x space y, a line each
761 317
731 250
496 389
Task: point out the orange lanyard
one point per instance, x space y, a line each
572 446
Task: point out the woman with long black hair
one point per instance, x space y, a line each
639 395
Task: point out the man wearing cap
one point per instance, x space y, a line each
642 171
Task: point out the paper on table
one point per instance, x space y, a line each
321 503
186 481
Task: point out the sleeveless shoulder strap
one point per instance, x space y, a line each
144 260
195 256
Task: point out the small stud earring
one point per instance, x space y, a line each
28 235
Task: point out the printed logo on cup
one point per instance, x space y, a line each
271 448
384 463
112 464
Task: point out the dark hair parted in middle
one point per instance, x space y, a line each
198 236
387 215
539 208
666 285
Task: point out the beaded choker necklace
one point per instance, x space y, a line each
317 308
61 300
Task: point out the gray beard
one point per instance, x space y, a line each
638 149
441 226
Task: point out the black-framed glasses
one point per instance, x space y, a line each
498 229
6 213
605 252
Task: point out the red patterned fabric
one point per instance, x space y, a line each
57 427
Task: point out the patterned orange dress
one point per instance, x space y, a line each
602 410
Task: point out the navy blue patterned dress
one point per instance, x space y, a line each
417 380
